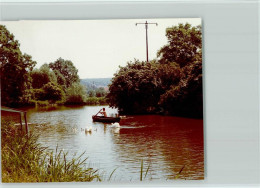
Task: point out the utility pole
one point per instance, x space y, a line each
146 28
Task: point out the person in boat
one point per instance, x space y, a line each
103 112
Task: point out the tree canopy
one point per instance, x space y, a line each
14 67
42 76
50 84
76 94
135 88
171 85
184 43
22 84
185 48
65 71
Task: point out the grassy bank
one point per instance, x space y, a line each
88 101
96 101
24 160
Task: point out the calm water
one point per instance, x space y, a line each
166 143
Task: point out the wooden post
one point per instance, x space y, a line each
26 125
21 122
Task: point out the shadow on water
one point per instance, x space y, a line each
52 108
167 143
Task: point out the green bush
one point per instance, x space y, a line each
39 94
53 92
41 103
42 76
96 101
49 92
76 94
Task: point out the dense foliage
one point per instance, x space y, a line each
171 85
137 87
58 81
76 94
65 71
14 66
184 45
184 48
42 76
22 84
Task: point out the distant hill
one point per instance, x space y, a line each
93 83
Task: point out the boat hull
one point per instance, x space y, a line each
105 119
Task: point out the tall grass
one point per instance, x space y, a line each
142 170
24 160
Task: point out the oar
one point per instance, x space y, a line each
98 112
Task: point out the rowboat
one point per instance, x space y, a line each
105 119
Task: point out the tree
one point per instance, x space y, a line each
65 71
173 84
60 79
169 74
184 48
42 76
14 66
184 42
185 99
91 93
135 88
52 92
76 94
100 92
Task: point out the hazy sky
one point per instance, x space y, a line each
96 47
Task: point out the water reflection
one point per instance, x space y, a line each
166 143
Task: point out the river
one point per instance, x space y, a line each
165 143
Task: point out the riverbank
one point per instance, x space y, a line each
47 103
25 160
101 101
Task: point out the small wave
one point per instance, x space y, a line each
130 127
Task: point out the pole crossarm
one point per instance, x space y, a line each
147 23
146 28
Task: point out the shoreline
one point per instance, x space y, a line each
120 114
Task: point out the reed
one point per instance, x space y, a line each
178 174
111 174
24 160
142 170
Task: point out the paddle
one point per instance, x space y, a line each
98 112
